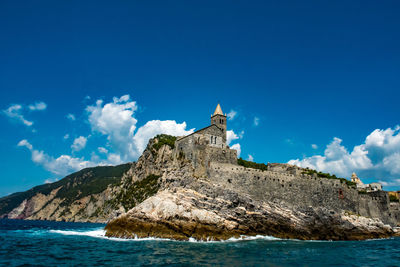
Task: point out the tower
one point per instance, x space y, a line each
219 119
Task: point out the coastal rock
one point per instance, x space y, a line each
185 214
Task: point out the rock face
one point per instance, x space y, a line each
232 200
84 196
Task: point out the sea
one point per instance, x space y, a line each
44 243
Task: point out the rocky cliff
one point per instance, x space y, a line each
82 196
162 195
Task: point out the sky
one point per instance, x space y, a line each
86 83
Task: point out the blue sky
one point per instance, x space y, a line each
320 78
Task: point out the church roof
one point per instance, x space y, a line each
218 110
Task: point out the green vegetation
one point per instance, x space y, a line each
164 139
74 186
250 164
362 192
137 192
393 198
329 176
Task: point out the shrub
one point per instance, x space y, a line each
393 198
330 176
253 165
137 192
164 139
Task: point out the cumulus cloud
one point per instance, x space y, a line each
231 136
314 146
102 150
232 114
70 116
256 121
152 128
15 112
62 165
124 140
237 148
378 157
117 122
37 106
250 158
79 143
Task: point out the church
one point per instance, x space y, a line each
207 144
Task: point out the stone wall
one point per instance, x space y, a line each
301 190
197 149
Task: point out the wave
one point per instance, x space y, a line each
100 233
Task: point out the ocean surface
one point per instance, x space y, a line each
68 244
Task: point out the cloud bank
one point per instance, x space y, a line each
117 123
378 157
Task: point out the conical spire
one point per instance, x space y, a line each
218 111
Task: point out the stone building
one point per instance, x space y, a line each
207 144
365 187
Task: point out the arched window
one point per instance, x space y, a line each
211 140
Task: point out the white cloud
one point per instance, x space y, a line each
25 143
378 157
314 146
152 128
79 143
62 165
102 150
230 136
125 142
50 181
232 114
237 148
15 112
37 106
70 116
256 121
250 158
116 121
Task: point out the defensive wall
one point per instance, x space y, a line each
302 190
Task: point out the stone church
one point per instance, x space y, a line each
207 144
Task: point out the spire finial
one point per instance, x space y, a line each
218 110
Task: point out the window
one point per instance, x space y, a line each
211 140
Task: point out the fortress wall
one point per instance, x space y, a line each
301 190
196 148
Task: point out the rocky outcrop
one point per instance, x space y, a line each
183 213
216 207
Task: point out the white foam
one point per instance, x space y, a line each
101 233
92 233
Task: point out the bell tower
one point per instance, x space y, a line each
219 119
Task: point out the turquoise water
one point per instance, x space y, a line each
59 243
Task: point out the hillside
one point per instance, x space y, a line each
61 196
